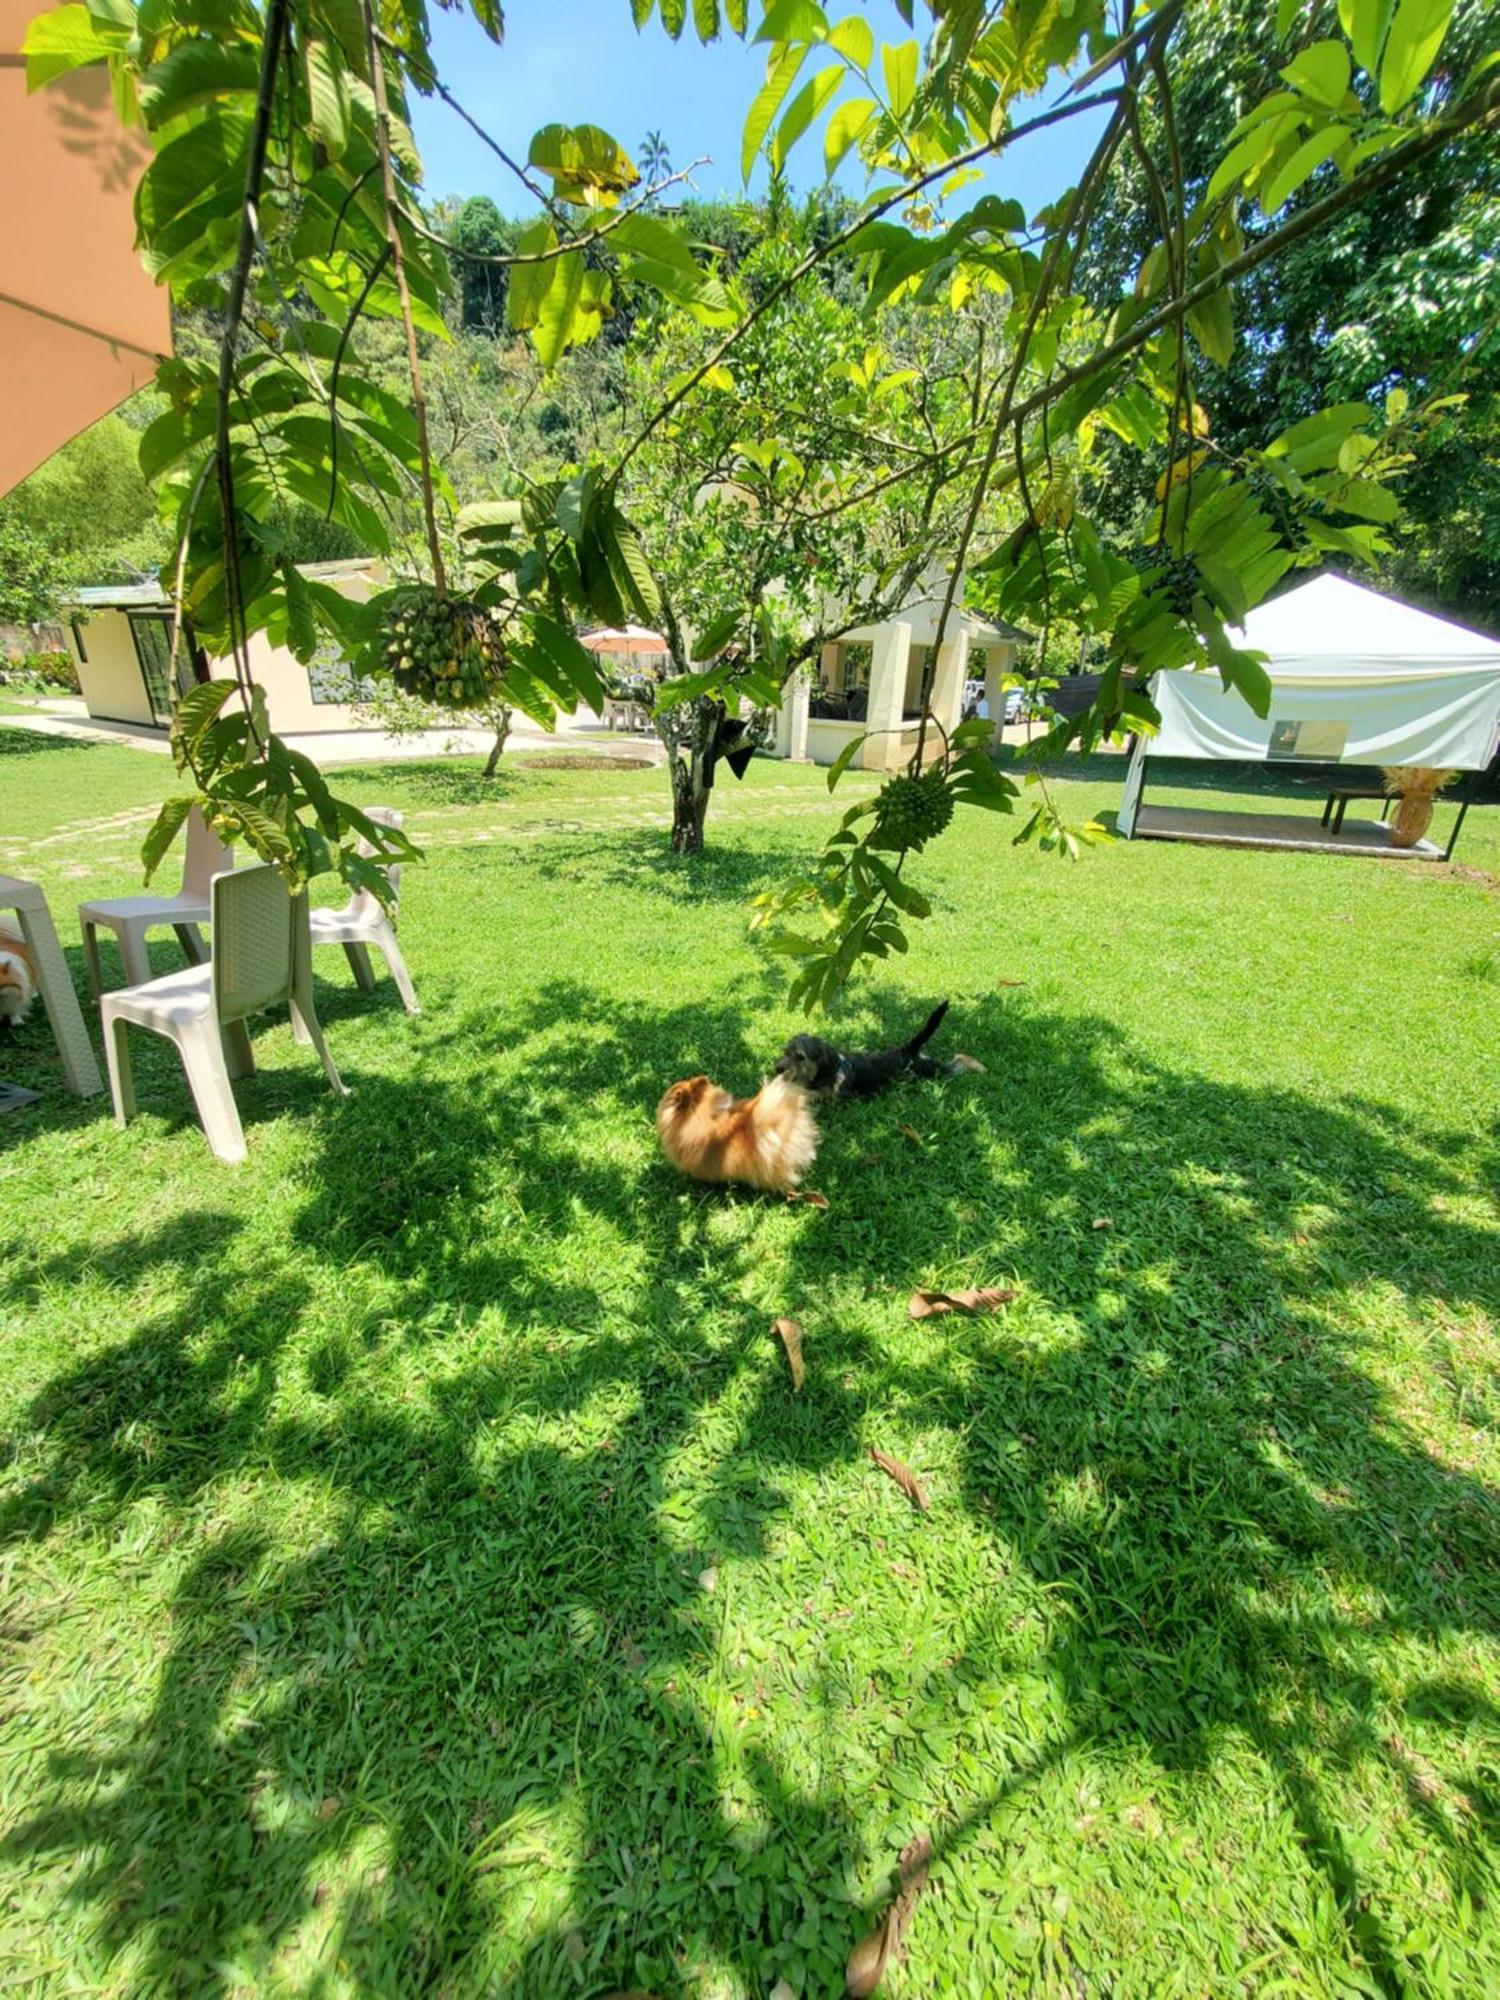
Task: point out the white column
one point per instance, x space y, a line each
791 717
888 658
998 663
948 681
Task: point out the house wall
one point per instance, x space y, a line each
110 678
289 696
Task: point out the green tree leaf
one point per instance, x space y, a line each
846 757
793 21
65 39
852 38
899 62
328 97
585 163
1416 35
1365 23
194 73
576 665
196 710
164 830
1309 156
780 75
802 110
1212 326
714 637
845 128
1321 72
301 624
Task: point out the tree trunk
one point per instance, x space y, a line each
689 805
502 730
691 765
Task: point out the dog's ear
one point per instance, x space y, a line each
685 1094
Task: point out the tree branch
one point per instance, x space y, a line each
822 252
393 234
504 260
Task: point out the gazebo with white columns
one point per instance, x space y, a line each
869 683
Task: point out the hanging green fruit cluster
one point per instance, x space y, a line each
442 649
911 811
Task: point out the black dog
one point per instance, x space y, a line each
826 1071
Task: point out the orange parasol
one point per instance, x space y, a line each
81 323
623 639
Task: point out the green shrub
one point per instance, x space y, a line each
39 673
53 670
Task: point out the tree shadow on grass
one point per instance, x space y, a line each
727 871
18 741
485 1728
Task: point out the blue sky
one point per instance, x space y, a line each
583 62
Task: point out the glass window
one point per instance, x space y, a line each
152 633
330 678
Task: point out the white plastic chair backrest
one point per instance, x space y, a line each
364 903
206 856
254 932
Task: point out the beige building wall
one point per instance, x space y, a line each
112 685
110 675
289 696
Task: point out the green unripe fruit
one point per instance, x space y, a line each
445 650
911 811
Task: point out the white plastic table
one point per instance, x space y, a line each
64 1015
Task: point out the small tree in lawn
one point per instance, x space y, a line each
402 715
738 503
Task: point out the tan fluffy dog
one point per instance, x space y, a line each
17 976
768 1140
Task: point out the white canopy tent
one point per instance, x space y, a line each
1356 678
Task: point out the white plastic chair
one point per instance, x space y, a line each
261 957
363 923
131 917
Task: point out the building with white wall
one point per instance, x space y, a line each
869 683
120 637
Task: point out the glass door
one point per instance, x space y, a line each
152 632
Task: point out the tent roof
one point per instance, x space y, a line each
1330 628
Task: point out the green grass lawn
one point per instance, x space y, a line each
418 1574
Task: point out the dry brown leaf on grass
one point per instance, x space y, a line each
977 1299
915 1136
1010 982
789 1332
885 1945
1104 1222
809 1195
904 1477
968 1063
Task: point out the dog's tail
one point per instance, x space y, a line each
926 1032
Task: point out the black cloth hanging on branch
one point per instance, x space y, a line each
730 741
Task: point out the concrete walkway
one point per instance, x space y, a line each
70 721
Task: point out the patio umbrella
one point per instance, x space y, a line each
623 639
81 323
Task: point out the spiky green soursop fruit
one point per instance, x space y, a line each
442 649
912 811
